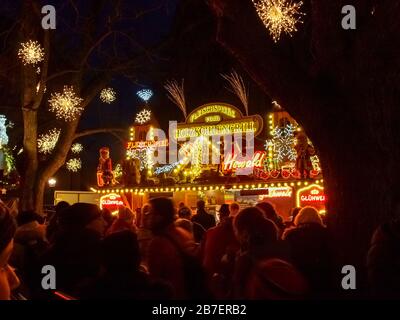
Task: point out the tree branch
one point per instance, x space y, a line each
96 131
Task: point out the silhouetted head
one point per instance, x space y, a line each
268 209
201 205
121 252
185 213
161 214
60 206
224 212
308 215
234 209
253 230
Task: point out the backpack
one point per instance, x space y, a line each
194 275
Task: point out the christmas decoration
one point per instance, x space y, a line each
105 174
176 95
279 16
77 148
31 52
145 94
66 105
283 143
74 164
143 116
304 153
107 95
47 142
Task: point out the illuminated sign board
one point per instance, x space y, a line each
312 195
146 144
226 118
231 163
111 202
223 110
279 192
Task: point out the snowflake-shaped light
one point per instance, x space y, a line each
145 94
47 142
283 141
77 148
108 95
74 164
279 16
31 52
143 116
66 105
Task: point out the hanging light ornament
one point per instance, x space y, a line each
143 116
279 16
145 94
31 52
107 95
77 148
66 105
47 142
74 164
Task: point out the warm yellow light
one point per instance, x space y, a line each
292 184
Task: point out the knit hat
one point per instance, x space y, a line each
79 215
7 227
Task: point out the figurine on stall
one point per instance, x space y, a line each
105 175
304 152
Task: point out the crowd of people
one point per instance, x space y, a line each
164 252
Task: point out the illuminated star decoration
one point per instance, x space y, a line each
47 142
74 164
77 148
31 52
145 94
283 141
66 105
279 16
107 95
143 116
144 155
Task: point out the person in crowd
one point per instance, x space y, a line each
8 279
218 241
184 213
144 233
203 218
29 244
383 261
124 221
108 218
122 277
293 213
310 250
53 224
270 213
171 254
75 253
260 273
234 209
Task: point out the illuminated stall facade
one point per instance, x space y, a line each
204 166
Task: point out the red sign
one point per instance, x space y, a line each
111 202
312 195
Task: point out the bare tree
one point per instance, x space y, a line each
86 50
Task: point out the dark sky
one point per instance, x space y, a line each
185 32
